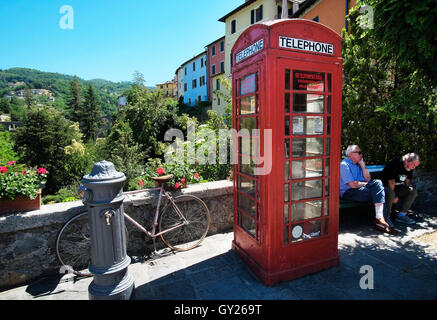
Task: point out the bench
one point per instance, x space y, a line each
375 173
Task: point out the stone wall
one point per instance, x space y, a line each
27 239
426 185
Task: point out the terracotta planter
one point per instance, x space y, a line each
20 204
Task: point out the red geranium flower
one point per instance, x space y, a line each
196 175
183 180
140 183
160 171
3 169
41 170
177 185
11 163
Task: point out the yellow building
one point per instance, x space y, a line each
250 12
169 89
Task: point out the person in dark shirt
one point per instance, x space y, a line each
396 178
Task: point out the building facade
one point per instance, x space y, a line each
216 70
168 89
180 82
331 13
247 14
195 79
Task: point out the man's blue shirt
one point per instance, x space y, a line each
349 172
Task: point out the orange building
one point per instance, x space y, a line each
331 13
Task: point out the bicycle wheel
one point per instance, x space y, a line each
192 233
73 245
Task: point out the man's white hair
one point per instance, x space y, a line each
351 148
410 157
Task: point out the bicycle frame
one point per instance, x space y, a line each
153 234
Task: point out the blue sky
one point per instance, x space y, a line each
110 39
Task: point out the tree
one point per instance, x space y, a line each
407 29
387 97
92 115
7 152
138 78
4 105
44 140
121 149
29 99
149 115
74 104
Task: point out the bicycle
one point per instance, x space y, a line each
183 224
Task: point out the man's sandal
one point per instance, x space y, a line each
386 229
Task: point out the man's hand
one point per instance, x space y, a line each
395 200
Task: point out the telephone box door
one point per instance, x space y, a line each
311 118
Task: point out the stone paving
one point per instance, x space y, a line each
404 267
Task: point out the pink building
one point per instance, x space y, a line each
216 64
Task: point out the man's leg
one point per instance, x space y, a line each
389 198
407 196
374 192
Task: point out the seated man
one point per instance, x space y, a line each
396 177
356 185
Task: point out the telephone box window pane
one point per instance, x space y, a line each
286 220
287 149
287 103
286 171
328 125
248 186
307 147
287 79
327 167
244 145
286 192
329 82
248 123
311 168
310 81
326 226
306 190
307 125
248 84
326 187
312 229
248 105
248 224
287 126
306 210
305 231
247 165
308 103
329 104
247 205
326 207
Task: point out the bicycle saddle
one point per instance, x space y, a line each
163 179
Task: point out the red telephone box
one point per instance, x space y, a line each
287 81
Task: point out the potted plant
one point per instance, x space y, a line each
20 187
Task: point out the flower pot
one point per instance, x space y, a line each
20 204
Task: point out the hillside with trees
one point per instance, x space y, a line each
58 84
